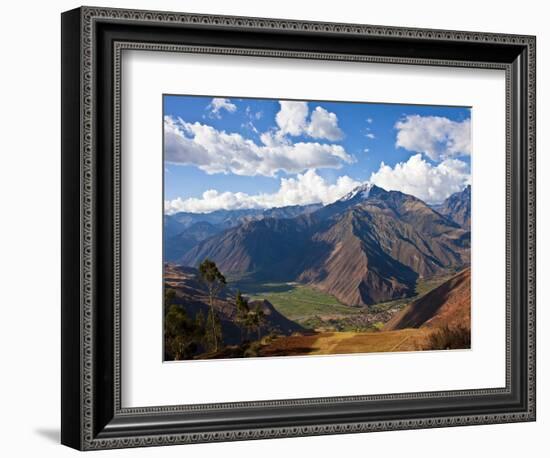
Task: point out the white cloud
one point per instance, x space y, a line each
218 104
215 151
292 119
306 188
432 184
370 135
369 120
324 125
437 137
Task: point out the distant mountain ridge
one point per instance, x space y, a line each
226 219
367 247
458 207
184 230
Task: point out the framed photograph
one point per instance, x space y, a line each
277 228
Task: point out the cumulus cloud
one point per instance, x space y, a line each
218 104
215 151
432 184
292 119
437 137
370 135
324 125
306 188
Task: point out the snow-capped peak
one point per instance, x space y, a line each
363 191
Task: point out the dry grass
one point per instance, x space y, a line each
333 343
338 343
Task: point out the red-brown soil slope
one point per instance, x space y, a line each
448 304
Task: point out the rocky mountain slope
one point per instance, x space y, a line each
448 304
176 245
457 207
183 230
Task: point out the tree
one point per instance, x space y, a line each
259 319
242 312
180 333
255 320
215 282
169 298
200 325
214 324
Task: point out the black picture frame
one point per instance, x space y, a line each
92 416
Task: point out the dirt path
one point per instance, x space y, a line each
400 344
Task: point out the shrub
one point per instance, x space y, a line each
253 350
449 338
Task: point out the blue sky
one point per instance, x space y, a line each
234 152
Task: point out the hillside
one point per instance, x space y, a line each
268 249
448 304
176 245
192 294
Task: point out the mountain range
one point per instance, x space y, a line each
184 230
225 219
370 246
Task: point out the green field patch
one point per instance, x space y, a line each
257 289
424 286
299 302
